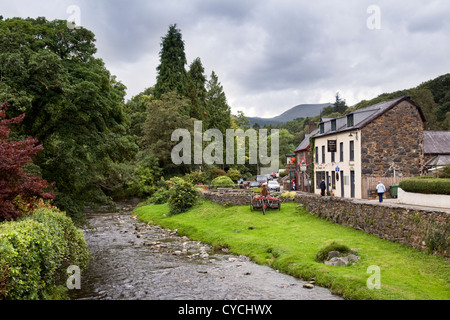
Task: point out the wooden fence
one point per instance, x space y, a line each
368 184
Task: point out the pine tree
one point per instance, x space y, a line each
197 91
172 74
217 108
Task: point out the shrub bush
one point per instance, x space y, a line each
34 252
159 197
426 185
196 177
182 196
222 182
234 174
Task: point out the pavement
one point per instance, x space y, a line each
395 203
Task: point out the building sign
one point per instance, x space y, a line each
332 145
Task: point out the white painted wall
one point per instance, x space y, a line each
420 199
346 166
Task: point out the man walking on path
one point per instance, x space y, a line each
380 190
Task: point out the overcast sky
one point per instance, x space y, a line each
269 55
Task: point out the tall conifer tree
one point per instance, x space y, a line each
197 90
172 74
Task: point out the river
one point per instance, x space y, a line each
135 261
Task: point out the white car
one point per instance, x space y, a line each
273 185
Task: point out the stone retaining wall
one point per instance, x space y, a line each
236 197
414 227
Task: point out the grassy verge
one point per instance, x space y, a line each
288 240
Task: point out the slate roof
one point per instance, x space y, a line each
304 145
364 116
436 142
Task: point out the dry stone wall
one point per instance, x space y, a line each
410 226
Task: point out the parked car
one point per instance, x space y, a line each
273 185
261 179
254 184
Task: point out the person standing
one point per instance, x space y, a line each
323 186
381 189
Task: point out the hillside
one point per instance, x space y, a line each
299 111
432 96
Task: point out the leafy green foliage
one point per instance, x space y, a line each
164 116
222 182
182 195
234 174
426 185
73 105
35 250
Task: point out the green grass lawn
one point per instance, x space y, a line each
288 240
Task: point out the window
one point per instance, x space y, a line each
323 154
317 154
341 152
322 128
333 158
333 125
352 151
350 120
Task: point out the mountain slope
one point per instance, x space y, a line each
299 111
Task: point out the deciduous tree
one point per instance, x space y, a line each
14 181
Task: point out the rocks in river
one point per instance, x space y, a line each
336 258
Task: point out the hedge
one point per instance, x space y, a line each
426 185
34 252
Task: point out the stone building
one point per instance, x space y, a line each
436 148
383 142
304 167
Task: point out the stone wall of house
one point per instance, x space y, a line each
396 136
407 225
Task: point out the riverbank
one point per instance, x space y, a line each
288 240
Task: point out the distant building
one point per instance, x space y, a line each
303 159
436 148
383 142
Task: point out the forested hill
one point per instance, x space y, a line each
432 96
300 111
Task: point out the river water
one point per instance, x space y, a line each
135 261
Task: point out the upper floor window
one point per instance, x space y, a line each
333 125
322 128
350 120
323 154
352 151
317 154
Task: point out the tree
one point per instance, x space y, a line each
196 90
340 105
164 116
217 108
74 106
171 71
14 181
